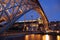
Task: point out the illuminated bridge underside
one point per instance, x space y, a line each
12 10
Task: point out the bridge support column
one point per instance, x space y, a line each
43 17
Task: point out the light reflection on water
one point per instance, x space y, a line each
42 37
35 37
58 37
46 37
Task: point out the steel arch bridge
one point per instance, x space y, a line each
11 10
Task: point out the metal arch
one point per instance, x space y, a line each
43 15
32 4
12 22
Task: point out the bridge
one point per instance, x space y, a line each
12 10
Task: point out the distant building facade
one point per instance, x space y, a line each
31 25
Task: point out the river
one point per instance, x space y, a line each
35 37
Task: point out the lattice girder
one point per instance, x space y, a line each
11 10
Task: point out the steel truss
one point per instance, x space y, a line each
12 10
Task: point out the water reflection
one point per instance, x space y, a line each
58 37
34 37
46 37
42 37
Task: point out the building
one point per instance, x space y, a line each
28 25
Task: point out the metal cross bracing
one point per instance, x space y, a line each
12 10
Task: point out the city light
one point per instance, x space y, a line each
18 20
46 37
58 37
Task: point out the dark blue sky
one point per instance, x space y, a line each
51 9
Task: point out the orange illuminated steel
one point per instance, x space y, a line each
43 17
5 18
26 6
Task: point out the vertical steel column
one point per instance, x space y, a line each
43 15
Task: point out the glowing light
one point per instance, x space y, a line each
26 37
27 28
58 37
40 21
46 37
34 25
57 31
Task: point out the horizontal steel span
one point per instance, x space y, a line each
11 10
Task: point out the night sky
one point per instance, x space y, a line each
51 9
